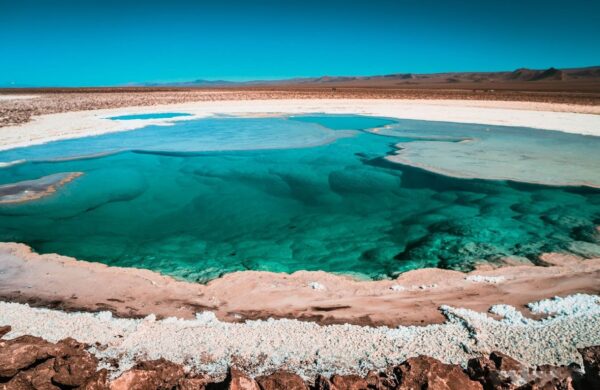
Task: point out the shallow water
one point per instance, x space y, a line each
500 152
205 197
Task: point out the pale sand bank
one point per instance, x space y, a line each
550 116
413 298
209 346
17 97
535 172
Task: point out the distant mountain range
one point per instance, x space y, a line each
551 75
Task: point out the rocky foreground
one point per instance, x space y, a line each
29 362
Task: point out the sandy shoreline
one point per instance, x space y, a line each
57 281
413 298
74 124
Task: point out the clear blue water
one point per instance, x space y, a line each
188 137
158 115
210 196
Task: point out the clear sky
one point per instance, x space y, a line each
84 43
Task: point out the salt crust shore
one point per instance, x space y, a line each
549 116
413 298
208 345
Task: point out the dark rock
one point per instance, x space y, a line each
503 372
237 380
381 380
74 370
554 377
150 375
170 373
506 363
22 352
38 377
192 384
322 383
478 368
98 381
4 330
349 382
424 372
485 372
591 365
281 380
136 380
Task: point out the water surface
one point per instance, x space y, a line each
205 197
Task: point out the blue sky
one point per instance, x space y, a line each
87 43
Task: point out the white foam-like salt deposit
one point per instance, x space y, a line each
208 345
316 286
485 279
510 315
570 305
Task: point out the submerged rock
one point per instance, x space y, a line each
29 190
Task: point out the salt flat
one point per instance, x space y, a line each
74 124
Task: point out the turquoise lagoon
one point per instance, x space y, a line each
210 196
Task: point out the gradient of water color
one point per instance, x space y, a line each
210 196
